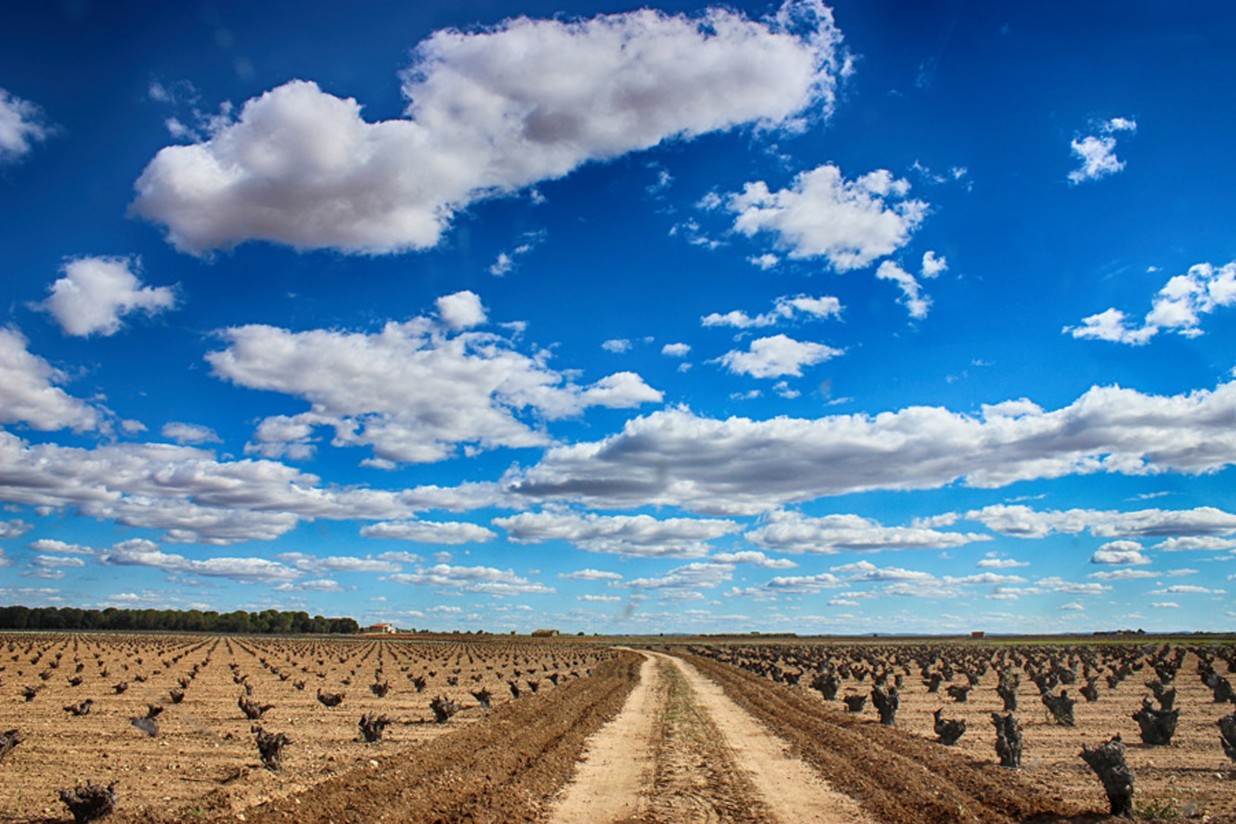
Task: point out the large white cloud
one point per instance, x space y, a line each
1177 307
740 465
776 356
1120 553
479 579
1023 522
793 532
452 533
139 552
414 391
489 112
849 223
197 498
21 126
699 575
632 535
28 393
95 293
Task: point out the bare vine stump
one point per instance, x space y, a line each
1108 764
1060 706
1091 691
855 703
80 709
380 688
90 801
1008 739
1227 735
177 696
886 703
9 740
1158 726
949 730
483 697
372 726
150 723
1222 689
1007 690
443 708
270 748
827 684
1166 696
958 692
252 709
330 699
514 689
932 682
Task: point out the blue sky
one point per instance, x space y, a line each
872 317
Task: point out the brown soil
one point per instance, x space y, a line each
505 770
617 763
694 778
204 761
898 779
698 740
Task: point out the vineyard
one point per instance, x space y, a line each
1030 707
181 727
178 721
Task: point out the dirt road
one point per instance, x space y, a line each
682 751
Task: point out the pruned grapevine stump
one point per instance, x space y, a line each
949 731
1008 739
1227 735
1157 726
270 748
90 801
1109 765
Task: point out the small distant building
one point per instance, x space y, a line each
978 633
381 629
545 633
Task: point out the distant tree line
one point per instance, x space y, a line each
172 620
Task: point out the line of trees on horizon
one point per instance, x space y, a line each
268 621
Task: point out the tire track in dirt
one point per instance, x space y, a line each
682 752
616 763
789 790
695 779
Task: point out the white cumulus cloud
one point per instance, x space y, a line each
489 112
630 535
1177 307
95 293
1122 553
450 533
28 391
739 465
414 391
788 531
22 124
1097 153
777 355
784 309
849 223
